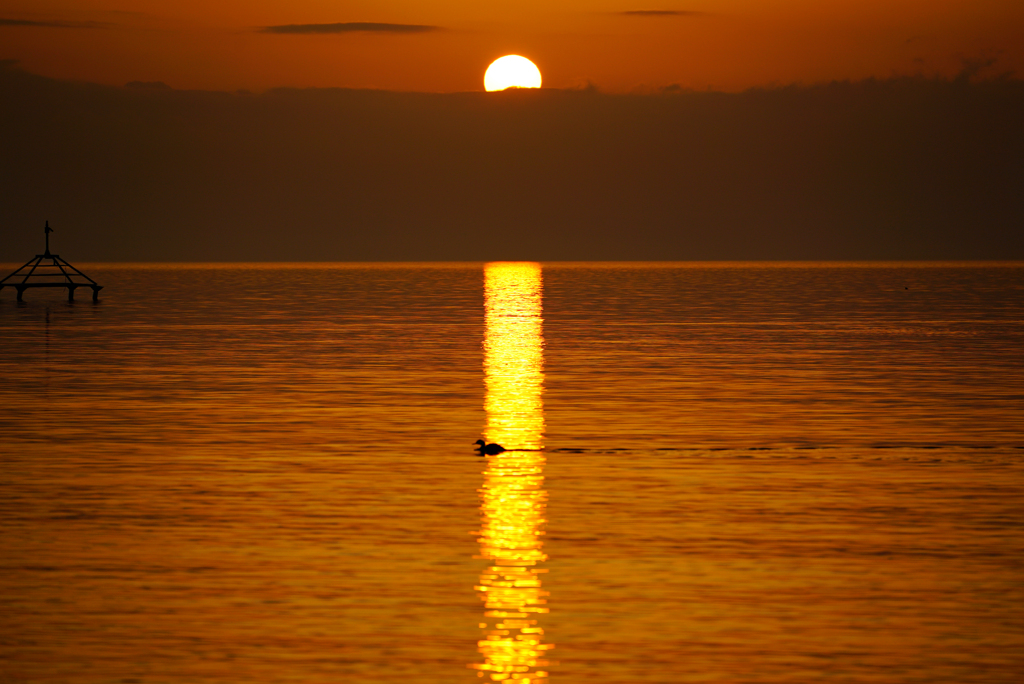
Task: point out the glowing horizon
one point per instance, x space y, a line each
443 48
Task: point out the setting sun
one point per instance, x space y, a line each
511 71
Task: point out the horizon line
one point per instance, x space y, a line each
727 263
639 90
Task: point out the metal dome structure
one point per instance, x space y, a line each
49 270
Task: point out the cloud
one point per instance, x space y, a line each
52 24
350 27
911 168
661 13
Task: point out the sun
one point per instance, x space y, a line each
511 71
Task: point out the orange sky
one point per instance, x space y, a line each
725 45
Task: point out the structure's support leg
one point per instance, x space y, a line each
96 293
71 293
20 291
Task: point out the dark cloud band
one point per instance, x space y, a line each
350 27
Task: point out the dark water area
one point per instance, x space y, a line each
734 473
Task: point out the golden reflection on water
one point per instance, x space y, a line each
513 497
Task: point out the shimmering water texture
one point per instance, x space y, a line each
513 496
718 473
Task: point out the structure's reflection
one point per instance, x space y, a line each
512 496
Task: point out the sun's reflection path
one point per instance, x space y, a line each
513 497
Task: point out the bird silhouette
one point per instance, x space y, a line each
488 449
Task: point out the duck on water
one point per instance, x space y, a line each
488 449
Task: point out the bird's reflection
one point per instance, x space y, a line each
513 497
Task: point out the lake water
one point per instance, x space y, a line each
723 473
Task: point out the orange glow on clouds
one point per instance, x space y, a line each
728 45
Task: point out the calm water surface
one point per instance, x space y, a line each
724 473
